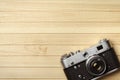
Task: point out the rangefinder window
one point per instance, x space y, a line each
100 47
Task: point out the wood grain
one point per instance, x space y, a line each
34 34
56 39
32 73
29 79
60 27
71 5
53 16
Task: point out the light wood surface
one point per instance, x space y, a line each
35 33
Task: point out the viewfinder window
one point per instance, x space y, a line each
100 47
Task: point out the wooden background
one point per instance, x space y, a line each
35 33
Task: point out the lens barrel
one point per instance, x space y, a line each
96 65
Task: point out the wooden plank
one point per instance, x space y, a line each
76 16
29 5
43 50
59 27
57 73
29 79
56 39
31 61
63 1
32 73
106 78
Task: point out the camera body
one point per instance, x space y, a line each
91 63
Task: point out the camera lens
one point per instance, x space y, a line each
96 65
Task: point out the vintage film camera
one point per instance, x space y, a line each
91 63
